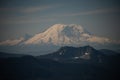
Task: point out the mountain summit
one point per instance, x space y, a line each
61 34
55 37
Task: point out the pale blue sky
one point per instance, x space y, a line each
18 17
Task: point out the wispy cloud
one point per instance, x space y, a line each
102 40
28 9
92 12
35 9
89 12
25 20
32 18
7 9
12 42
97 39
23 15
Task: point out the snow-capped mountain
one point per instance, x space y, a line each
61 34
53 38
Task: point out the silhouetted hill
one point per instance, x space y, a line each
76 54
7 55
68 63
108 52
22 68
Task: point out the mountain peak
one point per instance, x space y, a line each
60 34
62 28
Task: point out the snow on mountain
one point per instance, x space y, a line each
61 34
53 38
58 34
